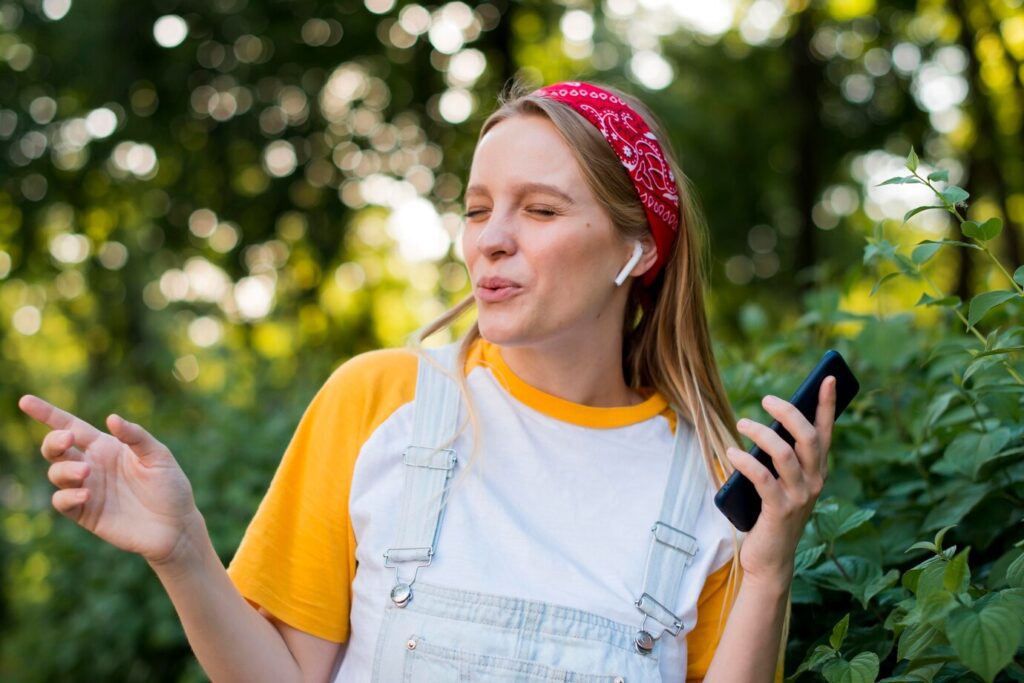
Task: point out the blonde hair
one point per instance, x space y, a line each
666 342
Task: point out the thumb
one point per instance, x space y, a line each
142 443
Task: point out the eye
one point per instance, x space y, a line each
543 211
474 212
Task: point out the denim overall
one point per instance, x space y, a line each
438 634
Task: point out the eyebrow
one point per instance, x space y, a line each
526 188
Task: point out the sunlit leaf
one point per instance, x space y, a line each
918 209
954 194
912 159
958 575
900 180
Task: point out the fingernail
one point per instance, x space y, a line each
743 422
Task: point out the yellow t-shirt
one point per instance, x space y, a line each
312 555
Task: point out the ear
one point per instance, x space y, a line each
646 261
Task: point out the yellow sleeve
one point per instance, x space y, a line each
297 557
703 640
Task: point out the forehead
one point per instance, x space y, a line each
527 152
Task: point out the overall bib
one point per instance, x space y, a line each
438 634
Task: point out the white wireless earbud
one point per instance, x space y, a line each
638 251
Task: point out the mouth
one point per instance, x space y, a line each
493 290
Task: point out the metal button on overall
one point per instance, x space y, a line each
401 594
644 642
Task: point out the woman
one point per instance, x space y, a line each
595 409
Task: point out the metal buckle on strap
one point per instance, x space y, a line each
657 611
401 593
675 538
432 458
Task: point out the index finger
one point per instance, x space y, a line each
55 418
825 415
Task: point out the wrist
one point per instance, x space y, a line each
773 586
190 551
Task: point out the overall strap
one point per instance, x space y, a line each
429 461
673 545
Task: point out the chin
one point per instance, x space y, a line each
501 332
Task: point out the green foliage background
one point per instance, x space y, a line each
195 235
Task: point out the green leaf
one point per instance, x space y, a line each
923 252
835 518
983 232
821 654
1015 573
900 180
921 545
805 557
937 606
969 451
1018 276
887 276
951 243
938 407
984 639
859 576
861 669
955 507
991 228
985 302
977 365
908 267
954 195
940 536
999 351
839 632
917 638
926 300
1014 599
912 160
918 209
957 577
942 174
930 579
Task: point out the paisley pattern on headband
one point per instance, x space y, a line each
638 150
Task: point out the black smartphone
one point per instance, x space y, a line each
738 499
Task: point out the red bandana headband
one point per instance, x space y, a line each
637 149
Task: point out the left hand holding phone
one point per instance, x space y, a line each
769 549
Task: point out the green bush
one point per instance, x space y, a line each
929 453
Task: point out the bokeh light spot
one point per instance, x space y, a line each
170 30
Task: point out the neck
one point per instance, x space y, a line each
590 375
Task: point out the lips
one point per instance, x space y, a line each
495 289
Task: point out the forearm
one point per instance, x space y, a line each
749 649
231 640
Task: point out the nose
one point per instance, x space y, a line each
496 236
